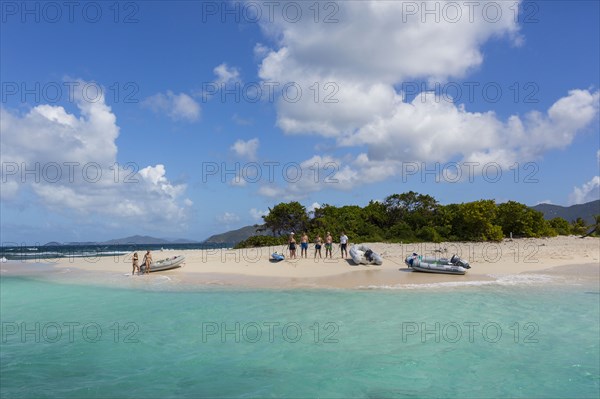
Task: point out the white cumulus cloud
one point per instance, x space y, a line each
246 149
351 72
257 214
589 191
177 106
228 218
226 75
73 167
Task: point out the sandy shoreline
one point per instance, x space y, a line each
570 257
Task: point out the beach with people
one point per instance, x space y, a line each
300 199
567 257
238 315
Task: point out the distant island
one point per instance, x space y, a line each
131 240
234 236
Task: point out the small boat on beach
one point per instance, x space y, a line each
454 265
277 256
165 264
362 255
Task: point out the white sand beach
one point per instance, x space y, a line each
568 256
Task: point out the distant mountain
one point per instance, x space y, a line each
234 236
132 240
569 213
183 241
137 239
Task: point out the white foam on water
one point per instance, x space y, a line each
501 280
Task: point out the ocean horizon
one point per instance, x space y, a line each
47 253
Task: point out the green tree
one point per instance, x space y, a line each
375 214
578 226
474 222
417 210
286 217
522 221
561 226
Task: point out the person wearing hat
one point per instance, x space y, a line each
292 245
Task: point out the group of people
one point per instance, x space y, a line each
318 245
147 262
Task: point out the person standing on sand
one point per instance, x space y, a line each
328 245
344 244
304 246
292 245
318 242
135 264
147 261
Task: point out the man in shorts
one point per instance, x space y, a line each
328 245
304 246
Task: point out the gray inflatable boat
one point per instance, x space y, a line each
362 255
165 264
454 265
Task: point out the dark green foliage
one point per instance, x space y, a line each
595 232
412 217
522 221
286 217
578 226
474 221
561 226
429 234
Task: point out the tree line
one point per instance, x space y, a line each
413 217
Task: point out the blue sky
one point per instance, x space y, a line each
155 117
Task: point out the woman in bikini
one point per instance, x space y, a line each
318 243
147 261
135 264
292 246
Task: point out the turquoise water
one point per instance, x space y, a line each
75 341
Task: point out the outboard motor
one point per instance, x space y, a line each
455 260
410 259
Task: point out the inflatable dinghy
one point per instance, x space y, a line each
276 256
362 255
454 265
164 264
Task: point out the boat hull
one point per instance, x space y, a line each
276 256
165 264
435 265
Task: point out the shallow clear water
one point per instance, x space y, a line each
470 342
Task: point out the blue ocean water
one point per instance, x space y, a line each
89 251
82 341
